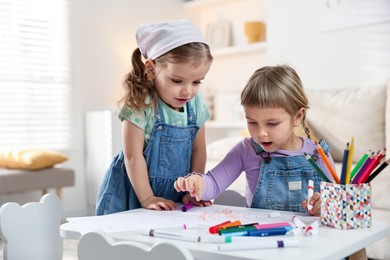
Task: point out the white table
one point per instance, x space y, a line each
330 243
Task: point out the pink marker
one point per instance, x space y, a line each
272 225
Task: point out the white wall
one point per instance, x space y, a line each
104 39
341 58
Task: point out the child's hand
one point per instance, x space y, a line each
158 203
187 198
316 202
193 184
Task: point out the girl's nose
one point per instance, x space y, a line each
262 132
186 90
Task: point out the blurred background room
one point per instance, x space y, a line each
62 63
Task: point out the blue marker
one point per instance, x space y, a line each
269 232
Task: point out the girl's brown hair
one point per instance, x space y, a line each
276 86
139 88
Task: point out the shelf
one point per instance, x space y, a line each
199 4
226 124
240 49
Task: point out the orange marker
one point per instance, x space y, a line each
232 224
327 163
215 229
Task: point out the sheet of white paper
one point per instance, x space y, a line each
203 216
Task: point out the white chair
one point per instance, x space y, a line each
32 231
98 245
230 198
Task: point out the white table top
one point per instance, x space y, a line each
330 243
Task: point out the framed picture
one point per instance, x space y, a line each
219 34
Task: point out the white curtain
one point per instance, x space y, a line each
35 93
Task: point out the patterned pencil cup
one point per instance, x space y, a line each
346 206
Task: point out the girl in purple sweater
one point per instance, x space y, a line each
277 171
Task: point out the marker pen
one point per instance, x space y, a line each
236 231
298 223
310 190
272 225
269 232
313 228
233 239
171 235
187 206
312 231
258 245
242 227
214 229
231 224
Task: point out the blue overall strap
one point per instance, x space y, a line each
325 146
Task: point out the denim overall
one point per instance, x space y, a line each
283 181
168 156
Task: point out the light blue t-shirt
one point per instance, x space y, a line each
145 119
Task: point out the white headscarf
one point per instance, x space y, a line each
156 39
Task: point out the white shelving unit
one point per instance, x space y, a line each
240 49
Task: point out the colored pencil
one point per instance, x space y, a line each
359 165
377 171
363 169
349 162
327 163
343 175
316 167
375 162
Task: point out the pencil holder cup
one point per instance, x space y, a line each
346 206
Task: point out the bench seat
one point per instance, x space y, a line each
18 180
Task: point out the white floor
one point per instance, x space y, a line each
70 249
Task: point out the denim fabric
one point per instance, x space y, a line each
168 156
282 183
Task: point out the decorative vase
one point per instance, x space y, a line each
254 31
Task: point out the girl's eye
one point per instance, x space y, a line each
177 81
197 82
252 123
273 124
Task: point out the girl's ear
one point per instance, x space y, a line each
149 69
299 116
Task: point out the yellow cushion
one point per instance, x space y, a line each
30 159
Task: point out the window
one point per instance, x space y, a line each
35 93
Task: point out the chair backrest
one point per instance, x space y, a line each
32 231
98 245
230 198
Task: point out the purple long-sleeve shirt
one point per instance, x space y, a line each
243 158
